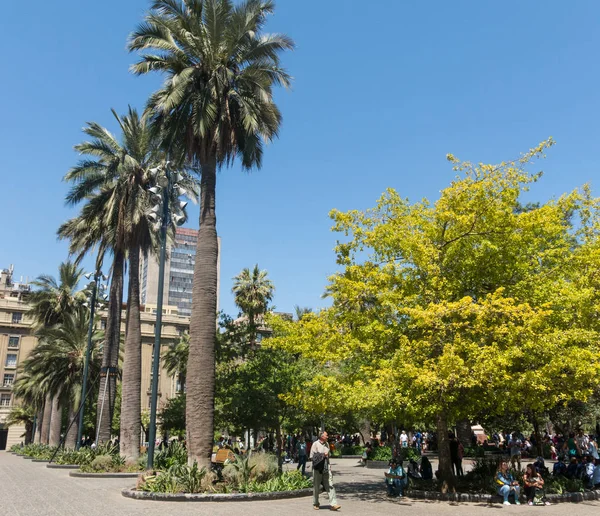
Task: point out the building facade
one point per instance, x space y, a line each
17 340
179 273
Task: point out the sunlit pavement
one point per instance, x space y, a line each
28 488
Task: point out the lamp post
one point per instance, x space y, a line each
95 286
167 191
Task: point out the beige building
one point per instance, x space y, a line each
17 340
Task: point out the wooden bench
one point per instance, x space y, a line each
222 455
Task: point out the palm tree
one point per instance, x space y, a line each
57 363
22 415
176 358
54 298
217 104
302 311
115 186
32 395
253 291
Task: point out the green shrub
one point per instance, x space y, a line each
381 453
177 479
287 481
174 454
476 451
264 466
102 463
562 485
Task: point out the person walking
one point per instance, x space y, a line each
319 454
301 452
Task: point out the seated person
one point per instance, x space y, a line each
559 468
395 479
540 466
413 469
534 484
507 485
426 469
571 471
589 471
596 475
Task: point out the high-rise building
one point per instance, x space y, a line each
179 273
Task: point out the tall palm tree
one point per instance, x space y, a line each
252 290
176 358
57 363
53 298
115 186
217 104
31 393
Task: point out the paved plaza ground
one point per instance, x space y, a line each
28 489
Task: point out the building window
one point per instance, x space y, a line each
13 342
8 380
103 324
16 317
4 400
11 360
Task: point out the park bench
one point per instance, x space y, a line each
222 455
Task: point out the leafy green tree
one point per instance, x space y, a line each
444 310
22 415
217 104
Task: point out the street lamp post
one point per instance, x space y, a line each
166 196
98 274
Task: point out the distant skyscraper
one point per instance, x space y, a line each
179 273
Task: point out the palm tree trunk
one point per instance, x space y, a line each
55 422
110 357
37 438
71 439
445 465
45 427
200 405
132 366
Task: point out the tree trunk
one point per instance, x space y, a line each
463 431
132 366
538 438
364 430
279 449
110 357
37 438
28 432
45 426
55 422
200 406
71 438
445 465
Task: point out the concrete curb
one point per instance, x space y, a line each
81 474
233 497
492 499
40 460
62 466
378 464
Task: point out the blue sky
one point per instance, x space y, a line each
382 91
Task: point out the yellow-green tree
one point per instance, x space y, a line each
472 303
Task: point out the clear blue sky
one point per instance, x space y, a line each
382 91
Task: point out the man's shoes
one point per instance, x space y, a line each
316 507
506 503
335 507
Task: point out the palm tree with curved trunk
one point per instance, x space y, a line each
176 358
114 185
217 104
252 291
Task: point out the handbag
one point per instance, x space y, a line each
318 461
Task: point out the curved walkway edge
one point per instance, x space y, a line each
217 497
81 474
486 498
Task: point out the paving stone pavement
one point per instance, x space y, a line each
31 489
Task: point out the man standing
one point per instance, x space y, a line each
515 450
319 454
301 452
